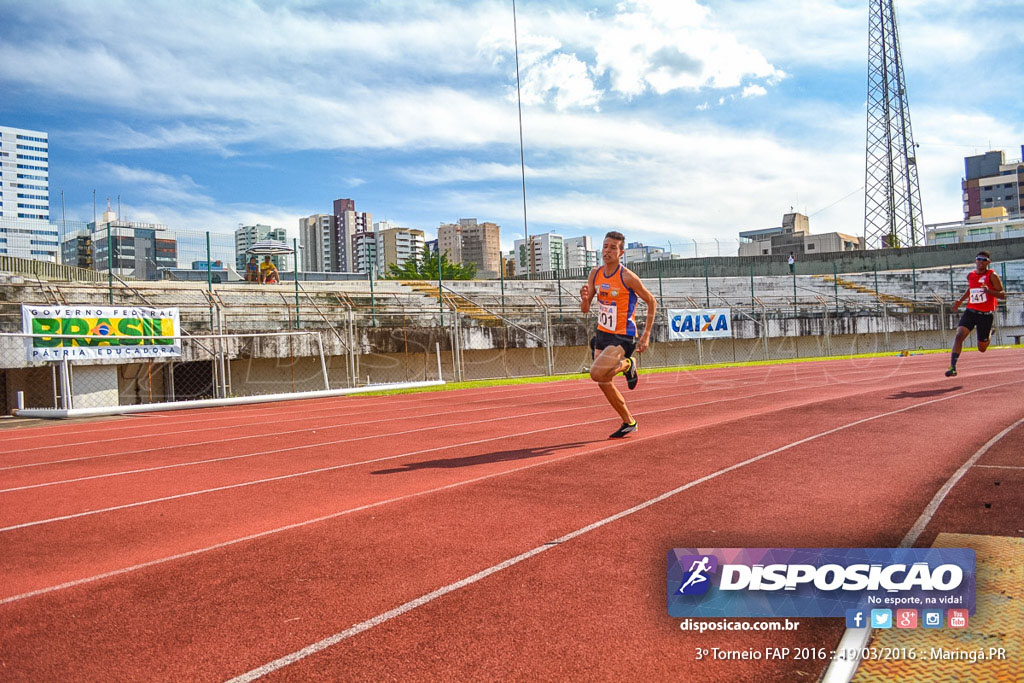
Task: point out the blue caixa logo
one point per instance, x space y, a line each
696 578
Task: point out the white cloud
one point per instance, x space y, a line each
754 91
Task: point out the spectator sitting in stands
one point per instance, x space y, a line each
252 270
268 272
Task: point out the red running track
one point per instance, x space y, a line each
485 533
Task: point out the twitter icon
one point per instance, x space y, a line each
881 618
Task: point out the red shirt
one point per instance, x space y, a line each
979 299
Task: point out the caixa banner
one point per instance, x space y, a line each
699 323
100 332
817 582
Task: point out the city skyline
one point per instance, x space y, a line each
671 121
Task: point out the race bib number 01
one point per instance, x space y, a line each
977 295
608 317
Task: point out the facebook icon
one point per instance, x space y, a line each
856 618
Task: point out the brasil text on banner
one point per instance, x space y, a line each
699 323
100 332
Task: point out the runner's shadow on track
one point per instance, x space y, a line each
925 394
484 458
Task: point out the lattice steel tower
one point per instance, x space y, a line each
892 194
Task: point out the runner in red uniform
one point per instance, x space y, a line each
983 289
617 290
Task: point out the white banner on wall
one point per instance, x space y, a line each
699 323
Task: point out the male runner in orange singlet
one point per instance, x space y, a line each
617 290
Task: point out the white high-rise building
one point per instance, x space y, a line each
25 228
579 252
315 238
248 235
25 182
547 254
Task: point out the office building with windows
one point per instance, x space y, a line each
25 229
991 182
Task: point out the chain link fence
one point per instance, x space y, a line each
242 340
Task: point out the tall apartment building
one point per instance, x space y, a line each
990 182
315 237
398 245
248 235
366 250
347 222
470 242
25 166
579 252
25 228
547 252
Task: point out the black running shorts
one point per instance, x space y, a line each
602 340
983 321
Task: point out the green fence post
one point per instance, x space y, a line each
110 267
835 284
751 287
952 294
660 291
373 298
209 278
440 288
295 271
707 285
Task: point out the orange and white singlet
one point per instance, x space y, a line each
617 303
979 299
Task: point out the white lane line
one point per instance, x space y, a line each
1002 467
247 423
755 375
261 534
393 457
320 645
842 670
376 460
577 391
585 406
310 429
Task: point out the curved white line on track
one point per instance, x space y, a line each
842 670
320 645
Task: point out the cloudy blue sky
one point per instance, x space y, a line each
672 120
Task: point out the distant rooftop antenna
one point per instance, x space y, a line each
892 194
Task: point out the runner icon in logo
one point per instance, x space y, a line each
697 570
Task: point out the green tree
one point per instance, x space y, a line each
425 268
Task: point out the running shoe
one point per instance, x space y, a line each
951 372
631 377
624 430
